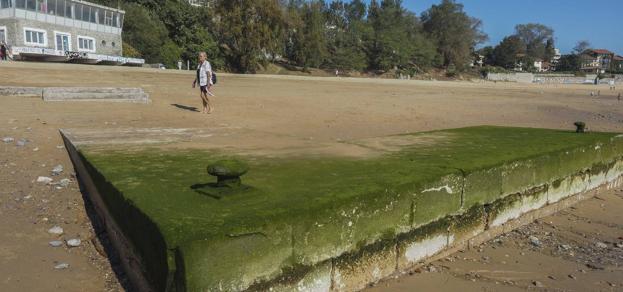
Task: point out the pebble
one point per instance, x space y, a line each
44 180
535 240
75 242
35 149
8 139
21 142
57 170
601 245
64 182
61 266
56 243
572 277
565 247
56 230
619 245
538 284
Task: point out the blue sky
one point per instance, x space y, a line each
599 22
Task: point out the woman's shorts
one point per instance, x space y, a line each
204 88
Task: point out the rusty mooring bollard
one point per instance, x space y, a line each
580 127
228 172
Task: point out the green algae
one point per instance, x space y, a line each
303 211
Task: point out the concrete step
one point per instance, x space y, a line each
20 91
95 94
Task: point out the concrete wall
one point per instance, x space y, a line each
15 35
511 77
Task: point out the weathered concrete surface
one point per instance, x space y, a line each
21 91
136 95
109 94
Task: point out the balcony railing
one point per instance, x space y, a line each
76 14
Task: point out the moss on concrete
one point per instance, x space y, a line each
303 211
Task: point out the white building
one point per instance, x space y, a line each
63 31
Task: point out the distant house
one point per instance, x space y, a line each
538 65
596 60
618 63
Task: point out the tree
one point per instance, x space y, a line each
550 50
488 53
535 36
346 34
170 53
144 31
569 63
455 33
248 31
508 52
581 46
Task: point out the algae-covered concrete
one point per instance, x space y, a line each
366 216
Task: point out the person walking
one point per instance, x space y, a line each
3 52
204 79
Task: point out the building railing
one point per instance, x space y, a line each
77 14
76 55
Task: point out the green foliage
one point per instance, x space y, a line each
455 32
508 52
144 31
248 32
569 63
170 54
536 38
130 51
243 35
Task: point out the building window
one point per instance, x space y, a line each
35 37
113 44
86 44
62 41
3 34
5 3
103 43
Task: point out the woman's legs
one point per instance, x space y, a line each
210 105
204 100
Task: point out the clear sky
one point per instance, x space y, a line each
600 22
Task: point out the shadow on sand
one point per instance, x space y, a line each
185 107
102 242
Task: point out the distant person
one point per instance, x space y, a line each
204 78
612 85
3 52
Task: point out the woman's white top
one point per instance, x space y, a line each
204 68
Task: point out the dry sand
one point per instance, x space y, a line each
268 114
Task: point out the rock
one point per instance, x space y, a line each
75 242
619 245
538 284
601 245
572 277
565 247
44 180
535 241
61 266
63 183
594 266
8 139
56 243
21 142
56 230
57 170
35 149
